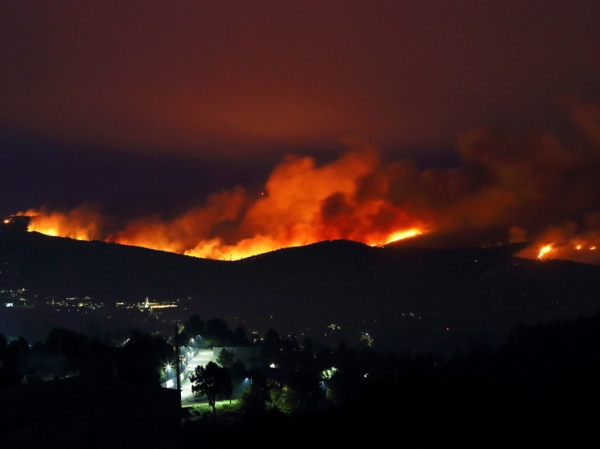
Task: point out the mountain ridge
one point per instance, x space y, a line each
405 298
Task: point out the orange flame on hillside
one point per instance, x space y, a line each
508 189
566 251
545 250
82 223
301 204
397 236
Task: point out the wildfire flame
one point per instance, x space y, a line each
301 204
522 185
397 236
83 223
545 250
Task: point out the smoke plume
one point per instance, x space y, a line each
508 188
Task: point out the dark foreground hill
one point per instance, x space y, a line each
402 298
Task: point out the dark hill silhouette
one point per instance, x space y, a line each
405 298
62 266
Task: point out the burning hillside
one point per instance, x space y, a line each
533 187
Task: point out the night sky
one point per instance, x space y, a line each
439 116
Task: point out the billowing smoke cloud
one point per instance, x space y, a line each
509 188
301 203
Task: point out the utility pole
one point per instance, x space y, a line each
178 360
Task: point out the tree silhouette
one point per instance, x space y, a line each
258 396
194 327
211 381
142 358
226 358
216 333
239 337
